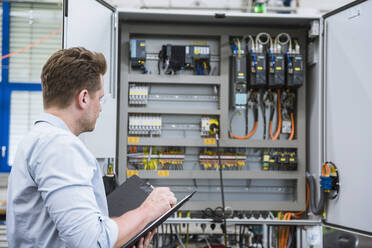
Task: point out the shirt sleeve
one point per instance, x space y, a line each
64 176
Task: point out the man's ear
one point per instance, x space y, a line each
82 99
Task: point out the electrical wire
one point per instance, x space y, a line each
250 44
246 136
179 225
263 39
242 137
292 127
222 188
272 59
319 208
287 41
263 110
188 215
179 238
284 231
279 124
289 61
253 100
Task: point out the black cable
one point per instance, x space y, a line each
222 188
171 235
255 113
319 208
263 110
157 240
159 60
272 109
247 119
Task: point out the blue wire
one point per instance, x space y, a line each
272 58
289 60
254 59
235 49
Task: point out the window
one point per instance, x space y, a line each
25 106
30 23
20 89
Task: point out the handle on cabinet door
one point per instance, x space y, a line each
3 151
113 56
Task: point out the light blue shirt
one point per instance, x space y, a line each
56 196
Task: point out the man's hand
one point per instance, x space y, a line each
145 242
158 202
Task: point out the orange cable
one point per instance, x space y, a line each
293 127
248 135
279 117
284 233
32 45
287 216
277 133
271 129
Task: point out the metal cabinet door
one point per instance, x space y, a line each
93 24
348 114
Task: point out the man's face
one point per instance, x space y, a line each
94 108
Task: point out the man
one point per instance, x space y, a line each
56 196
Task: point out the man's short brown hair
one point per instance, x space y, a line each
67 72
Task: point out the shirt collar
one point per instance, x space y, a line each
53 120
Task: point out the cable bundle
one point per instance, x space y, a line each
329 187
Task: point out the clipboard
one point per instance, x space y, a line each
129 196
152 225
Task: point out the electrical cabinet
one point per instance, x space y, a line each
177 80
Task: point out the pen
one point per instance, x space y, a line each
148 184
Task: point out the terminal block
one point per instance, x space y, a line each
138 95
279 160
145 125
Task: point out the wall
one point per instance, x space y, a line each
321 5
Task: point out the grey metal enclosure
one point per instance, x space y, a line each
173 124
